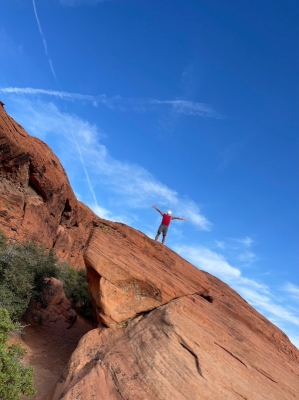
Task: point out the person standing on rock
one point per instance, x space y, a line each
166 219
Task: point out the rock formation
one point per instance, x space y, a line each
169 331
166 329
36 200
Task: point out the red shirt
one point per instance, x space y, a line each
166 219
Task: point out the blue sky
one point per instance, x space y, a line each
189 105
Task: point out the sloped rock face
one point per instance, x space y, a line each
170 331
187 349
129 273
166 329
36 200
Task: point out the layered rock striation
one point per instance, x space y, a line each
166 330
37 202
169 331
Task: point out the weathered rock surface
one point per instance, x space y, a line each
59 308
166 330
170 331
36 200
129 273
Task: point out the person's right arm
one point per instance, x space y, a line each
158 210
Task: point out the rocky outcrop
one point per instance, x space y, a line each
129 274
59 309
37 202
170 331
166 330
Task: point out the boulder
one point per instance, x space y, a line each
192 347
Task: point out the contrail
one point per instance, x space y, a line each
186 107
60 94
85 170
44 40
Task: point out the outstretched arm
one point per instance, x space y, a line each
158 210
182 219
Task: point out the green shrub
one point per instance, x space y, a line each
3 240
41 264
23 269
76 289
16 282
15 378
23 272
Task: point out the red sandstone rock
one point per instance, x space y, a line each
59 308
36 200
167 330
174 332
129 273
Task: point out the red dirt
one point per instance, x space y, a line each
49 349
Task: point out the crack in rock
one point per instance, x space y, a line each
231 354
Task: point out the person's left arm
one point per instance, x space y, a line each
181 218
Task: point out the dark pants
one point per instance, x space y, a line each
163 229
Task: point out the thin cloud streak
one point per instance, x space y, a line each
188 107
134 185
117 102
43 40
58 94
85 171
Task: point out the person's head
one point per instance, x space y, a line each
169 212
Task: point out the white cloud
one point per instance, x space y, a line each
247 241
107 214
100 211
238 250
134 185
119 103
247 257
292 290
208 260
266 304
254 285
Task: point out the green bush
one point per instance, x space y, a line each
23 269
76 289
3 240
23 272
15 378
